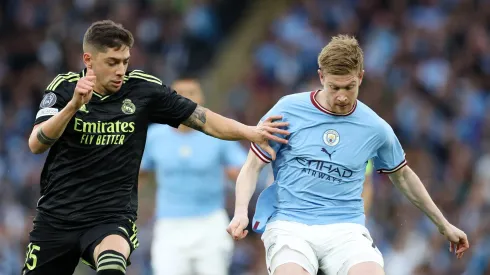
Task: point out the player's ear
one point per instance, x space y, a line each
87 60
320 75
361 75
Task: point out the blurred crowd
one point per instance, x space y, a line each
427 66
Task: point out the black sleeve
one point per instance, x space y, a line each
54 100
168 107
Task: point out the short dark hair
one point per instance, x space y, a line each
107 34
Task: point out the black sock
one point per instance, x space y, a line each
111 262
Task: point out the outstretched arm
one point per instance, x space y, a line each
245 188
215 125
410 185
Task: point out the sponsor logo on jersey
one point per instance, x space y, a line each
324 170
103 133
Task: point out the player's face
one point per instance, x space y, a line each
341 90
190 89
109 67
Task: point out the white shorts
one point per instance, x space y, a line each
333 248
197 245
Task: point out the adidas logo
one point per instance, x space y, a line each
83 109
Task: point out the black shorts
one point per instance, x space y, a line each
52 251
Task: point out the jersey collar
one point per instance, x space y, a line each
321 108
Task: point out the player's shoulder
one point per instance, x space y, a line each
371 118
64 83
293 100
142 79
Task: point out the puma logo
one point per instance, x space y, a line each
328 153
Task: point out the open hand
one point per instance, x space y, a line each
458 241
265 131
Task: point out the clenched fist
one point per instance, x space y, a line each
237 226
83 90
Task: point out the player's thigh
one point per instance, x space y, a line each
371 268
113 242
353 246
170 255
215 246
285 245
49 253
120 237
290 262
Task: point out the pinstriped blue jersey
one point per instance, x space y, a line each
319 174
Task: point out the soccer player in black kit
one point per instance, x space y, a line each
95 123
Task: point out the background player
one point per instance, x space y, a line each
190 170
314 211
367 190
95 123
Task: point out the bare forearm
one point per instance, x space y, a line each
247 182
410 185
52 129
224 128
245 188
216 125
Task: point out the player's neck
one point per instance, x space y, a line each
99 89
321 98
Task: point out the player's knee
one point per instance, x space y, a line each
290 269
371 268
110 262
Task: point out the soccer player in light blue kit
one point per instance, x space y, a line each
313 213
191 170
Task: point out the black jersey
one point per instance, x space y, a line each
91 172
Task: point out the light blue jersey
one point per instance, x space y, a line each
189 170
319 174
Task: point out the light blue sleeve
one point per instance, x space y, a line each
278 109
233 154
390 156
147 162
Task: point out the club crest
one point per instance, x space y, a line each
331 138
128 107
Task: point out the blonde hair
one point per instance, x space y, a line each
341 56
